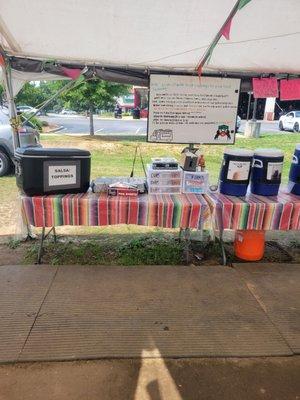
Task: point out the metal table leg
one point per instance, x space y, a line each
222 247
44 236
40 251
187 244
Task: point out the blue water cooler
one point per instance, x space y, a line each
235 171
266 172
294 177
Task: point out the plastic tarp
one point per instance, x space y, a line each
19 78
157 34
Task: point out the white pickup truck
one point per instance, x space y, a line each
28 138
290 121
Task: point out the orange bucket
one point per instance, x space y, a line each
249 245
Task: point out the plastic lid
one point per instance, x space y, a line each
52 152
268 152
239 152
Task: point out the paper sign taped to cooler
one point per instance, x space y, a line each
62 175
186 109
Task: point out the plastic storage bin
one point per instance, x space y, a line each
164 181
42 171
164 189
195 182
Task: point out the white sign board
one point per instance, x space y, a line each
186 109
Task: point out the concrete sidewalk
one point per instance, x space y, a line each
83 312
269 378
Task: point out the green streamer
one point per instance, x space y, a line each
242 3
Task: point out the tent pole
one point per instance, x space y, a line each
216 39
10 100
61 90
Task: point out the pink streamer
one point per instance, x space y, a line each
226 29
264 87
290 89
71 73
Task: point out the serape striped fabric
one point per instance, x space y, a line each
280 212
92 209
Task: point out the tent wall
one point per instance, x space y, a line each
156 34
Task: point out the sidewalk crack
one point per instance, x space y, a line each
37 314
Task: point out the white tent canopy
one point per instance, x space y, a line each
157 34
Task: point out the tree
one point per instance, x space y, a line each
94 94
31 94
88 96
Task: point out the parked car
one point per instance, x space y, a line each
68 112
26 109
290 121
238 123
29 137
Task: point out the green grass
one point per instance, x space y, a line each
115 157
135 245
149 249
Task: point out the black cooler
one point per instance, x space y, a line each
47 171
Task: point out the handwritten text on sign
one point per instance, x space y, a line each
184 109
62 175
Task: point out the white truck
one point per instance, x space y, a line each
290 121
28 138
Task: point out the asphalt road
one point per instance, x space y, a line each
265 127
80 124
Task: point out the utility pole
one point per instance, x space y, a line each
92 131
254 111
249 104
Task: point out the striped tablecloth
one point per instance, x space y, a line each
280 212
91 209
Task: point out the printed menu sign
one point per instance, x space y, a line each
186 109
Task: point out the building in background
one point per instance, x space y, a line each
126 102
141 100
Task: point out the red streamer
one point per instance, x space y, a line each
290 89
264 87
226 29
71 73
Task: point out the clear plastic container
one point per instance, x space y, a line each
164 189
195 182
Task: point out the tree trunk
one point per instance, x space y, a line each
92 132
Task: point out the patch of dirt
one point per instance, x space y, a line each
13 256
49 128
